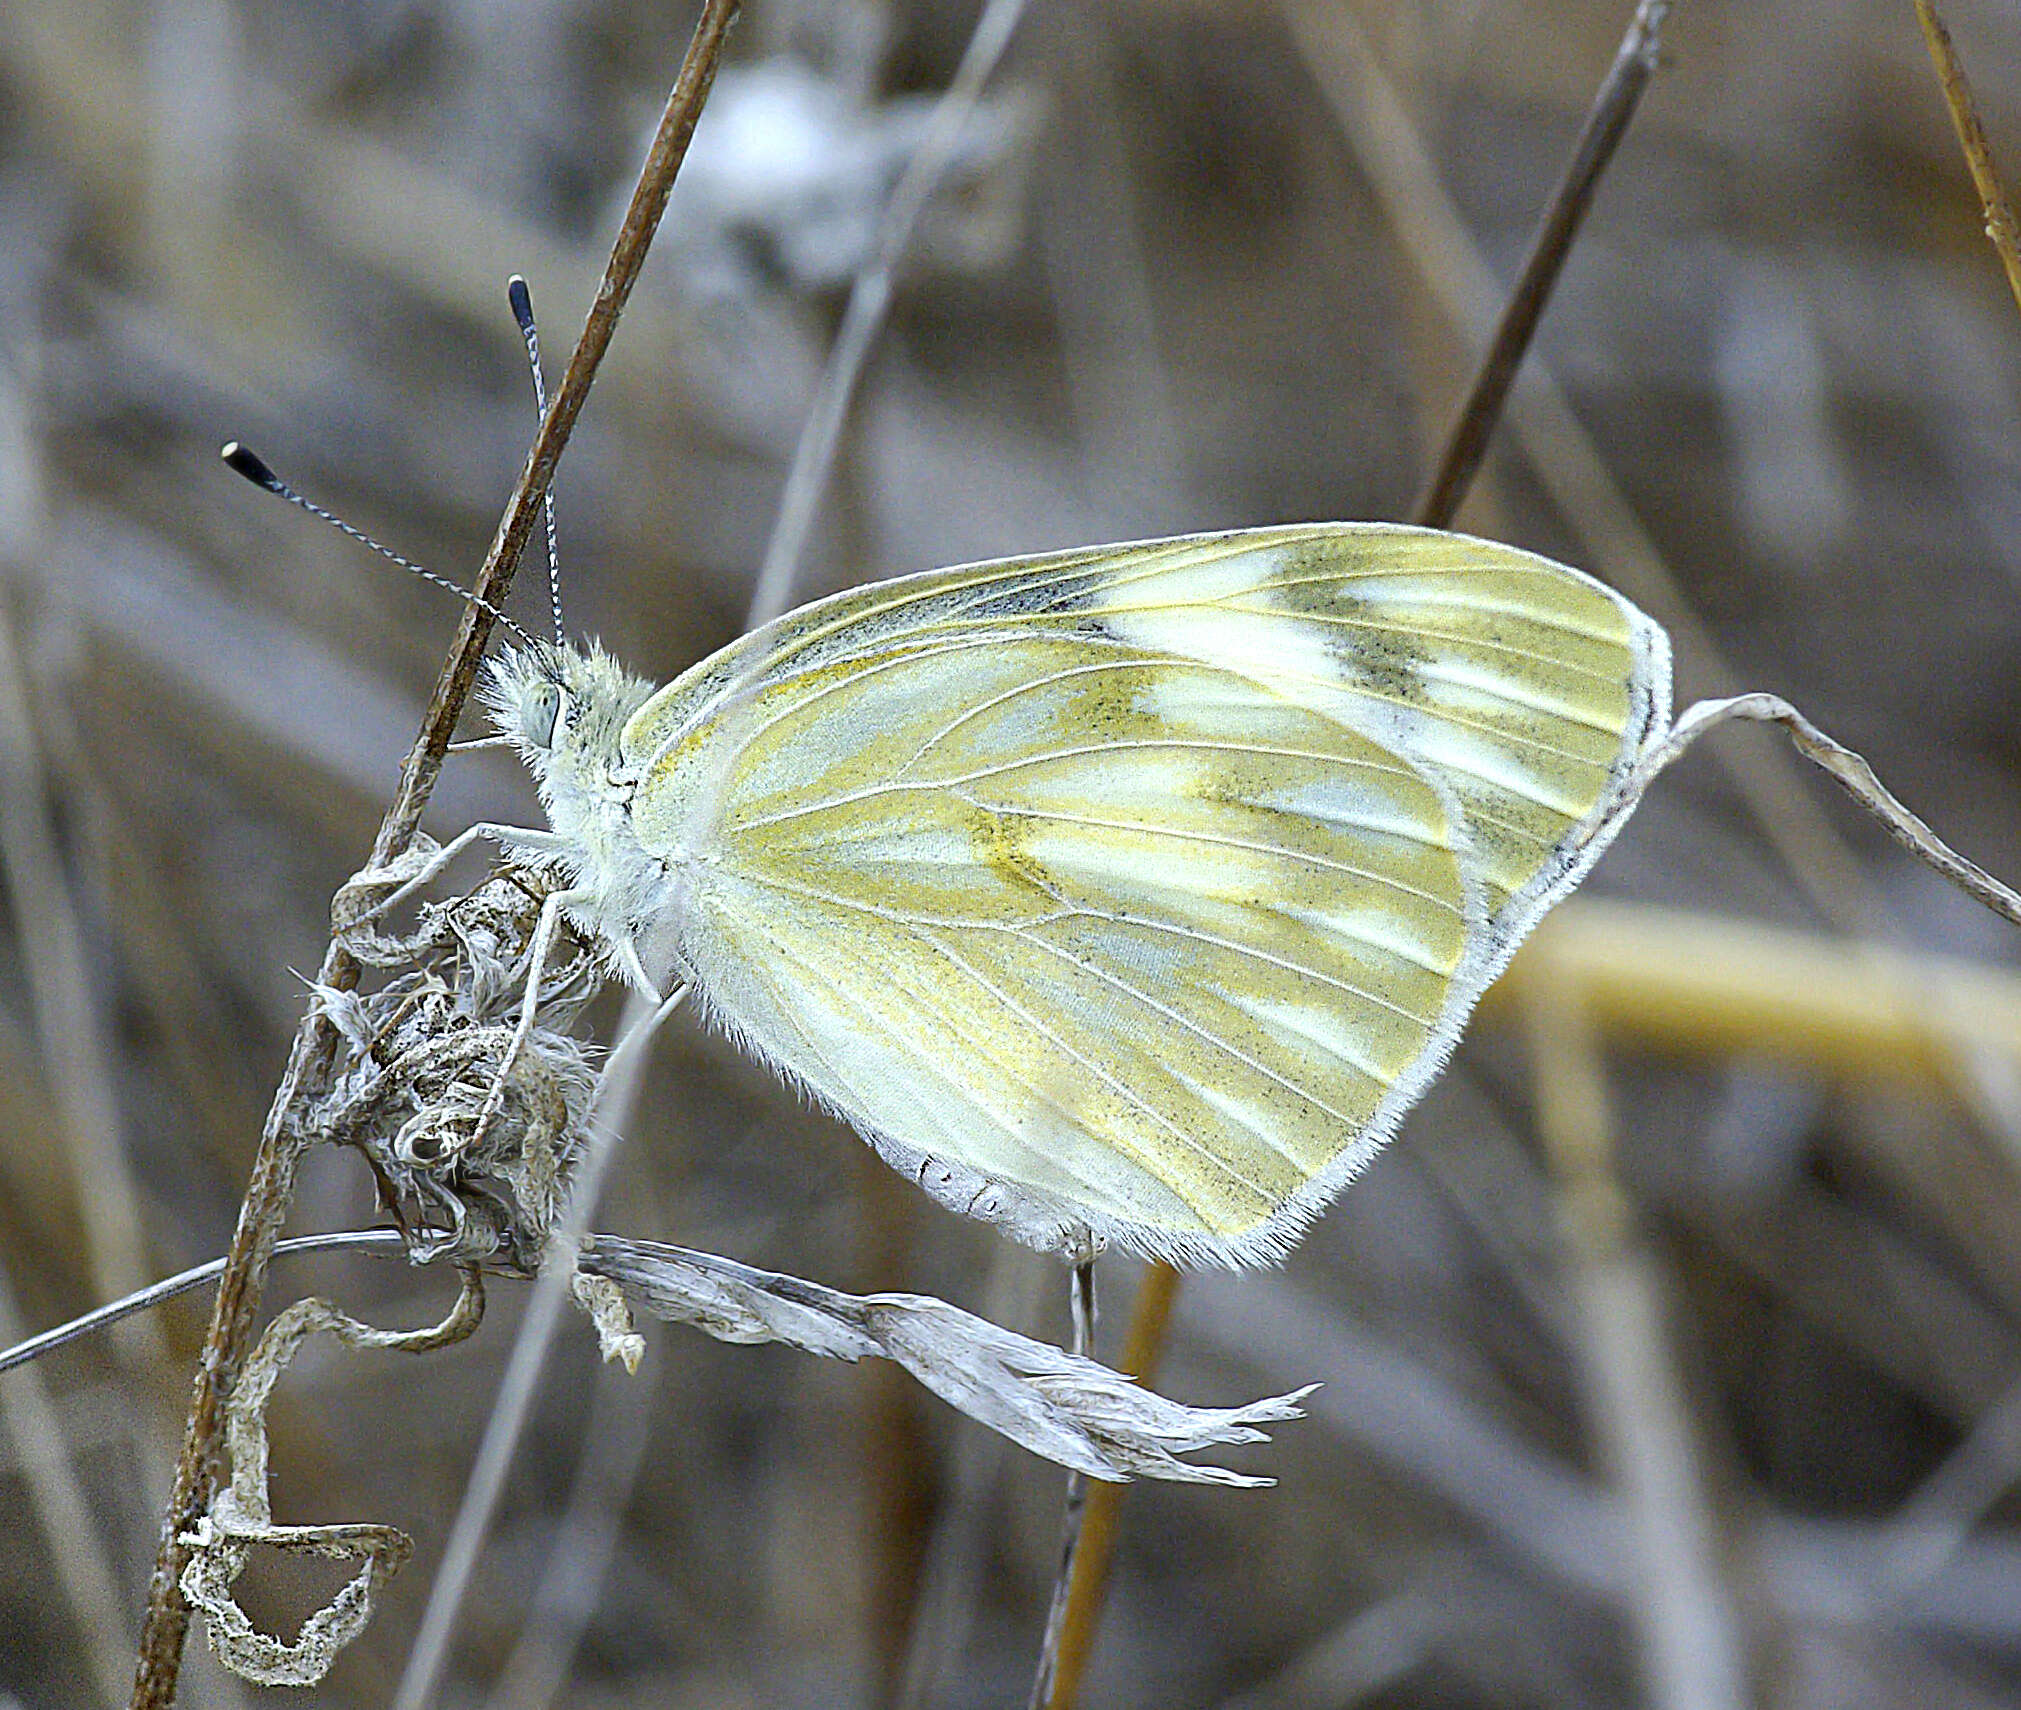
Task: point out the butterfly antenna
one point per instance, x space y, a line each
521 300
247 462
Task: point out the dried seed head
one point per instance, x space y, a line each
422 1053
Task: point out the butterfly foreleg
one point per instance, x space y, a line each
542 946
373 892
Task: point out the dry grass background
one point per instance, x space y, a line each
1759 1323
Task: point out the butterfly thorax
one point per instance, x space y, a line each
565 709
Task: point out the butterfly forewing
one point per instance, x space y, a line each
1141 889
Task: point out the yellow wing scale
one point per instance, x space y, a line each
1135 892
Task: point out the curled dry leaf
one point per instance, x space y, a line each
240 1516
1068 1409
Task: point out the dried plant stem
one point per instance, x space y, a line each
2001 226
1848 769
1607 122
1614 106
271 1187
1081 1301
1681 1601
869 298
517 1389
584 1543
628 254
1149 1316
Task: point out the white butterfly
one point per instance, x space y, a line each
1121 895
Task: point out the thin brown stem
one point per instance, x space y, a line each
1849 770
1081 1299
1086 1593
271 1187
1606 123
628 253
2001 226
1683 1604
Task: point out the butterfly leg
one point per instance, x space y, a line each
537 954
407 875
627 953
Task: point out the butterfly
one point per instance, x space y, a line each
1123 896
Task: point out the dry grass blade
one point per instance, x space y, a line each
1702 986
1685 1607
83 1570
271 1185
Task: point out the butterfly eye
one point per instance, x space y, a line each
543 709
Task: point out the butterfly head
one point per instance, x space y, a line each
565 709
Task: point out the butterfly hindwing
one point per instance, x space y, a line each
1141 889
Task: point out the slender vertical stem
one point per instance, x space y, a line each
1081 1303
1683 1604
1086 1594
869 298
2001 226
519 1387
1606 123
1607 120
271 1186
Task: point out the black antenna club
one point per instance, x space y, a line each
249 463
521 299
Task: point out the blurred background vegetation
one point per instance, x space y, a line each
1673 1355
